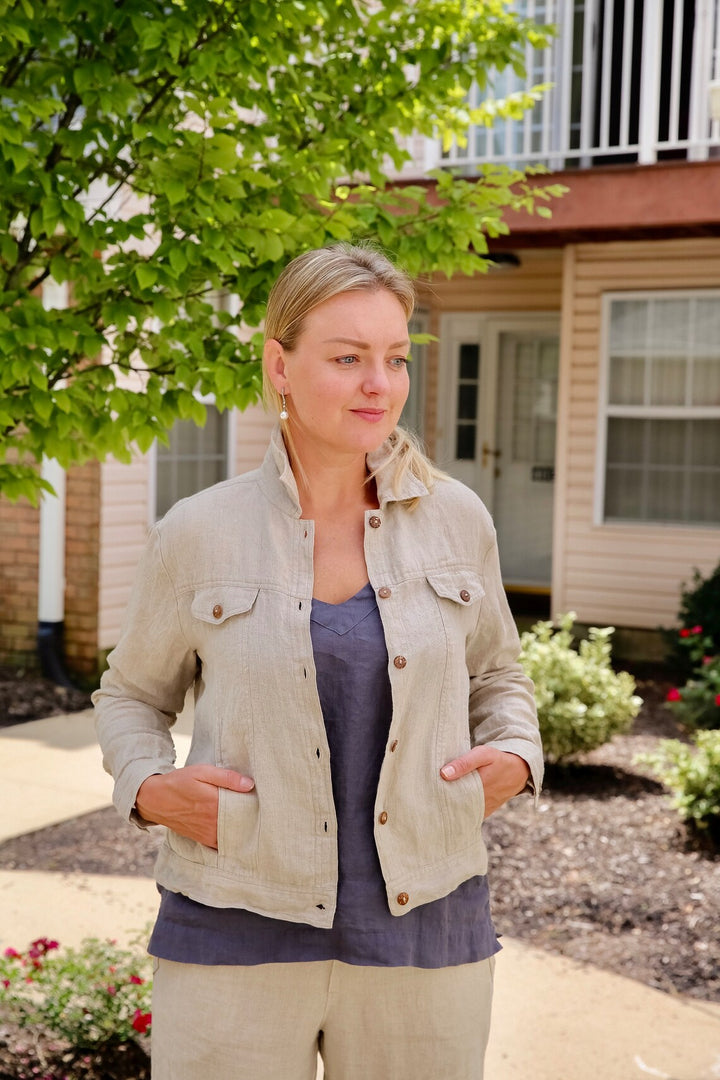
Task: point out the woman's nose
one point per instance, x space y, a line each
376 379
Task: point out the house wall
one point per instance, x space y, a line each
624 575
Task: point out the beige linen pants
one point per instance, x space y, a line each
368 1023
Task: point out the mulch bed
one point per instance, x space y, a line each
603 871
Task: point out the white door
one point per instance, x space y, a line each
497 430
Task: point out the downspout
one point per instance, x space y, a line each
51 563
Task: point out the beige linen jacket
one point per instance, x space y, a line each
222 601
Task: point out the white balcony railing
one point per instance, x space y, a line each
630 83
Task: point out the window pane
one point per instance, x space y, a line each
196 458
628 325
704 502
627 380
667 441
469 361
623 490
706 381
465 443
467 402
667 380
625 441
705 443
669 324
706 325
665 490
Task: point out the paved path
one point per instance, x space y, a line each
553 1019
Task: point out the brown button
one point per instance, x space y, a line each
403 898
217 611
400 661
393 746
464 595
375 522
385 592
383 817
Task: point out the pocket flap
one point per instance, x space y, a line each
462 586
219 603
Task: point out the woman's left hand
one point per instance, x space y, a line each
504 775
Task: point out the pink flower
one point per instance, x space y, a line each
708 659
673 694
12 954
112 990
6 983
696 630
136 980
141 1021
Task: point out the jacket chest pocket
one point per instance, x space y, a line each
217 604
459 594
223 630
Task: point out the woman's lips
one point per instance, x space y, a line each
372 415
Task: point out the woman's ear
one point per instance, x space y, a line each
274 364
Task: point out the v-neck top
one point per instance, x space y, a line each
354 689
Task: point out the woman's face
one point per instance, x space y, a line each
346 381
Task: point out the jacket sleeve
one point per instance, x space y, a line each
143 690
502 699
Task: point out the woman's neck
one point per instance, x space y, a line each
327 488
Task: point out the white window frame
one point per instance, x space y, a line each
208 399
641 412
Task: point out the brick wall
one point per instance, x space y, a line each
82 562
19 526
19 552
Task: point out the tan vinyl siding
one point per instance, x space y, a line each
252 434
125 491
625 575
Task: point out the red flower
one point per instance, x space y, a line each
684 633
40 947
141 1021
136 980
6 983
717 700
112 990
673 694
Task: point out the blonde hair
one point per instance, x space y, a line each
310 280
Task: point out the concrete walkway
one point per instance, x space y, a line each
553 1019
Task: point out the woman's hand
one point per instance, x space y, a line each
503 775
186 800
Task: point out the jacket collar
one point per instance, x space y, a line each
279 481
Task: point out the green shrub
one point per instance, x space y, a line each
693 776
95 995
581 701
697 704
699 607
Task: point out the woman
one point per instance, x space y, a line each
358 710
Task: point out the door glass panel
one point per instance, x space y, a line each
524 467
466 411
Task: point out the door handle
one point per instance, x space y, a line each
488 452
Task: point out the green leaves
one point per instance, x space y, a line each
160 157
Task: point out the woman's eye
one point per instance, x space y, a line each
399 361
346 360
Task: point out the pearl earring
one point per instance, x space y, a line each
284 414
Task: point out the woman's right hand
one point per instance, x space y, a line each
186 800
